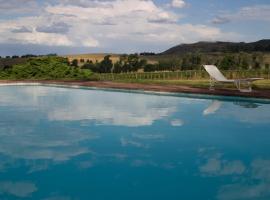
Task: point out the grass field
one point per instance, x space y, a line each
187 78
93 57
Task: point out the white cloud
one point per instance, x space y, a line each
255 186
177 122
90 42
220 20
244 191
218 167
126 142
148 136
257 12
261 169
54 146
140 110
178 3
51 146
51 39
18 7
106 24
59 27
18 189
245 181
212 166
33 36
233 167
22 29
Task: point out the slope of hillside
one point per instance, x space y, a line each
211 47
93 57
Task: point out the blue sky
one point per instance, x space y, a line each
126 26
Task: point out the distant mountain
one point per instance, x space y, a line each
213 47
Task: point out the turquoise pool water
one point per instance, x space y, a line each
76 144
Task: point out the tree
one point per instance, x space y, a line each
147 54
81 60
150 68
256 65
129 63
51 68
28 56
244 64
195 61
117 67
185 63
257 60
125 67
74 63
51 55
227 62
142 63
133 62
168 64
91 66
106 65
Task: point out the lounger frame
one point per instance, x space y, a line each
217 77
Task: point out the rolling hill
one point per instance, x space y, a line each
223 47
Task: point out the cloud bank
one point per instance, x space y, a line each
101 24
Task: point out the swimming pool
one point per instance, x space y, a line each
62 144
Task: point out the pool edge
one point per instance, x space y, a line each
188 94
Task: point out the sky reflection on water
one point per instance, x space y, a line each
59 143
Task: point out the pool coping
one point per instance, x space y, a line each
168 90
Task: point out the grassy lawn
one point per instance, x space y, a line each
263 84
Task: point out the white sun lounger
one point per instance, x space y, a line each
217 76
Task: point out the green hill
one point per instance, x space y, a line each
222 47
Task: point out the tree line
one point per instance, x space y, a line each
27 56
38 66
225 61
45 68
126 63
189 61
